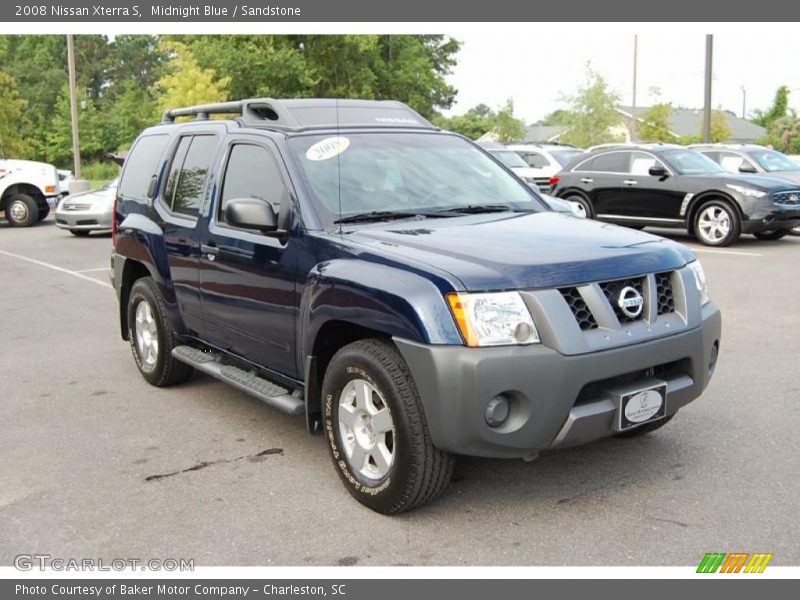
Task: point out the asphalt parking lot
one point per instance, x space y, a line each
82 432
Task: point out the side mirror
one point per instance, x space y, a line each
658 171
251 213
746 167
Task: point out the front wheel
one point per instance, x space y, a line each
582 206
376 430
773 234
716 223
43 212
21 210
151 336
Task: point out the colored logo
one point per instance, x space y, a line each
735 562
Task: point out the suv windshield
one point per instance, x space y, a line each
365 173
772 161
690 162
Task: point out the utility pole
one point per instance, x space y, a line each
707 103
635 60
77 184
744 102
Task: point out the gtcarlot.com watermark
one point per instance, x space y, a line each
42 562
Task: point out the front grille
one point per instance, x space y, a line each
87 222
76 207
611 290
62 221
577 305
787 198
664 296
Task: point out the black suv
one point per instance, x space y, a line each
667 185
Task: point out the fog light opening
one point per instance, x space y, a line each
712 361
497 410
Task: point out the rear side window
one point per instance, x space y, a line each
252 172
141 165
613 162
189 174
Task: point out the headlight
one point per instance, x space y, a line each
496 319
746 191
700 280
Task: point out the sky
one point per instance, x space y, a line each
537 63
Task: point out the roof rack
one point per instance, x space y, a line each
307 113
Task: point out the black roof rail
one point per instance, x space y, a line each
307 113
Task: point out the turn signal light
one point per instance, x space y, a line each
49 189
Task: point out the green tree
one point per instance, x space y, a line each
507 127
557 117
409 68
187 83
720 131
784 133
655 125
591 113
779 108
95 132
12 144
477 121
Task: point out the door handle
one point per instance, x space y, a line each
209 249
587 180
630 182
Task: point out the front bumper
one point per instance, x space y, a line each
557 400
84 220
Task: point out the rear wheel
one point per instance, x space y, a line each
716 223
582 205
773 234
376 430
151 336
21 210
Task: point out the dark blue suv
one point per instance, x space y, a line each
347 261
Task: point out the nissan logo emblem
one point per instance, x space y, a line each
630 302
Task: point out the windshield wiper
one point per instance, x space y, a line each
385 215
475 209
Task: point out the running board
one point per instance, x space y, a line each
266 391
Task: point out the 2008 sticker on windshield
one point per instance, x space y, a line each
328 148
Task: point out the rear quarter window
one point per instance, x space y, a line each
141 165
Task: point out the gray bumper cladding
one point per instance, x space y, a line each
556 400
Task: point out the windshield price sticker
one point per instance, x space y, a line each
327 148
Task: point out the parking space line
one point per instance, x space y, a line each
731 252
93 270
56 268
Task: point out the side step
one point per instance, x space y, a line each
266 391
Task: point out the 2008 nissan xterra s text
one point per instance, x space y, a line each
347 261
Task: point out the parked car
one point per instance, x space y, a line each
64 177
755 159
26 190
512 160
546 160
83 213
347 261
666 185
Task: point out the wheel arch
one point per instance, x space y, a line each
132 270
23 188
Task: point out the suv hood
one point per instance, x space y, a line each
766 182
523 251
